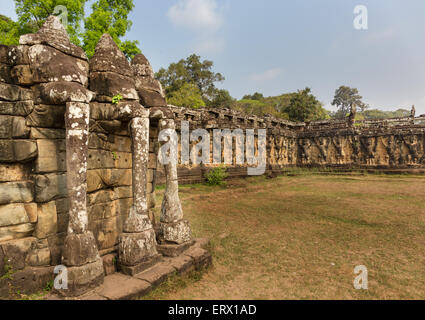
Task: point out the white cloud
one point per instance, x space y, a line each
199 15
267 75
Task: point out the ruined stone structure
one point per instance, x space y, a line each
78 163
392 144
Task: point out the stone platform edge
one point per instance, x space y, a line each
118 286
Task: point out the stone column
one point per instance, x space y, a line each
137 248
80 253
175 234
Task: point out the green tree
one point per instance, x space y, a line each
110 16
188 96
256 96
222 98
9 31
344 98
191 70
305 107
33 13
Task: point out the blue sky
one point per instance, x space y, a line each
279 46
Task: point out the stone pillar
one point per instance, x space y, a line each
174 233
137 248
80 254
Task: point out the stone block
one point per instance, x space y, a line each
39 258
46 133
176 232
47 116
20 108
110 84
16 232
47 220
16 192
5 73
22 75
80 249
50 65
157 274
51 156
14 172
11 92
16 251
110 264
17 150
59 93
50 187
17 213
135 248
122 287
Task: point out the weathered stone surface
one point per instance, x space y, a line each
111 84
106 178
142 67
17 150
61 92
16 213
51 65
18 55
53 34
183 264
20 108
109 58
27 281
4 51
5 73
47 220
110 264
47 116
16 251
14 172
201 257
22 75
50 187
176 232
129 287
39 258
51 156
16 192
16 232
150 98
47 133
80 249
137 247
173 250
56 246
11 92
83 278
157 274
13 127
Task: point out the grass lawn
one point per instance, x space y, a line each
300 237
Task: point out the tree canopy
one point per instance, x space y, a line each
304 106
191 70
345 97
108 16
188 96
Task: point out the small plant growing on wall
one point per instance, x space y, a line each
216 176
117 98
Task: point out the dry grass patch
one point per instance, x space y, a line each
300 237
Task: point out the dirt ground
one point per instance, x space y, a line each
301 237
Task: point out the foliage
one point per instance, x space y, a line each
117 98
33 13
188 96
256 96
304 106
379 114
191 70
9 31
110 16
222 99
216 176
344 98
